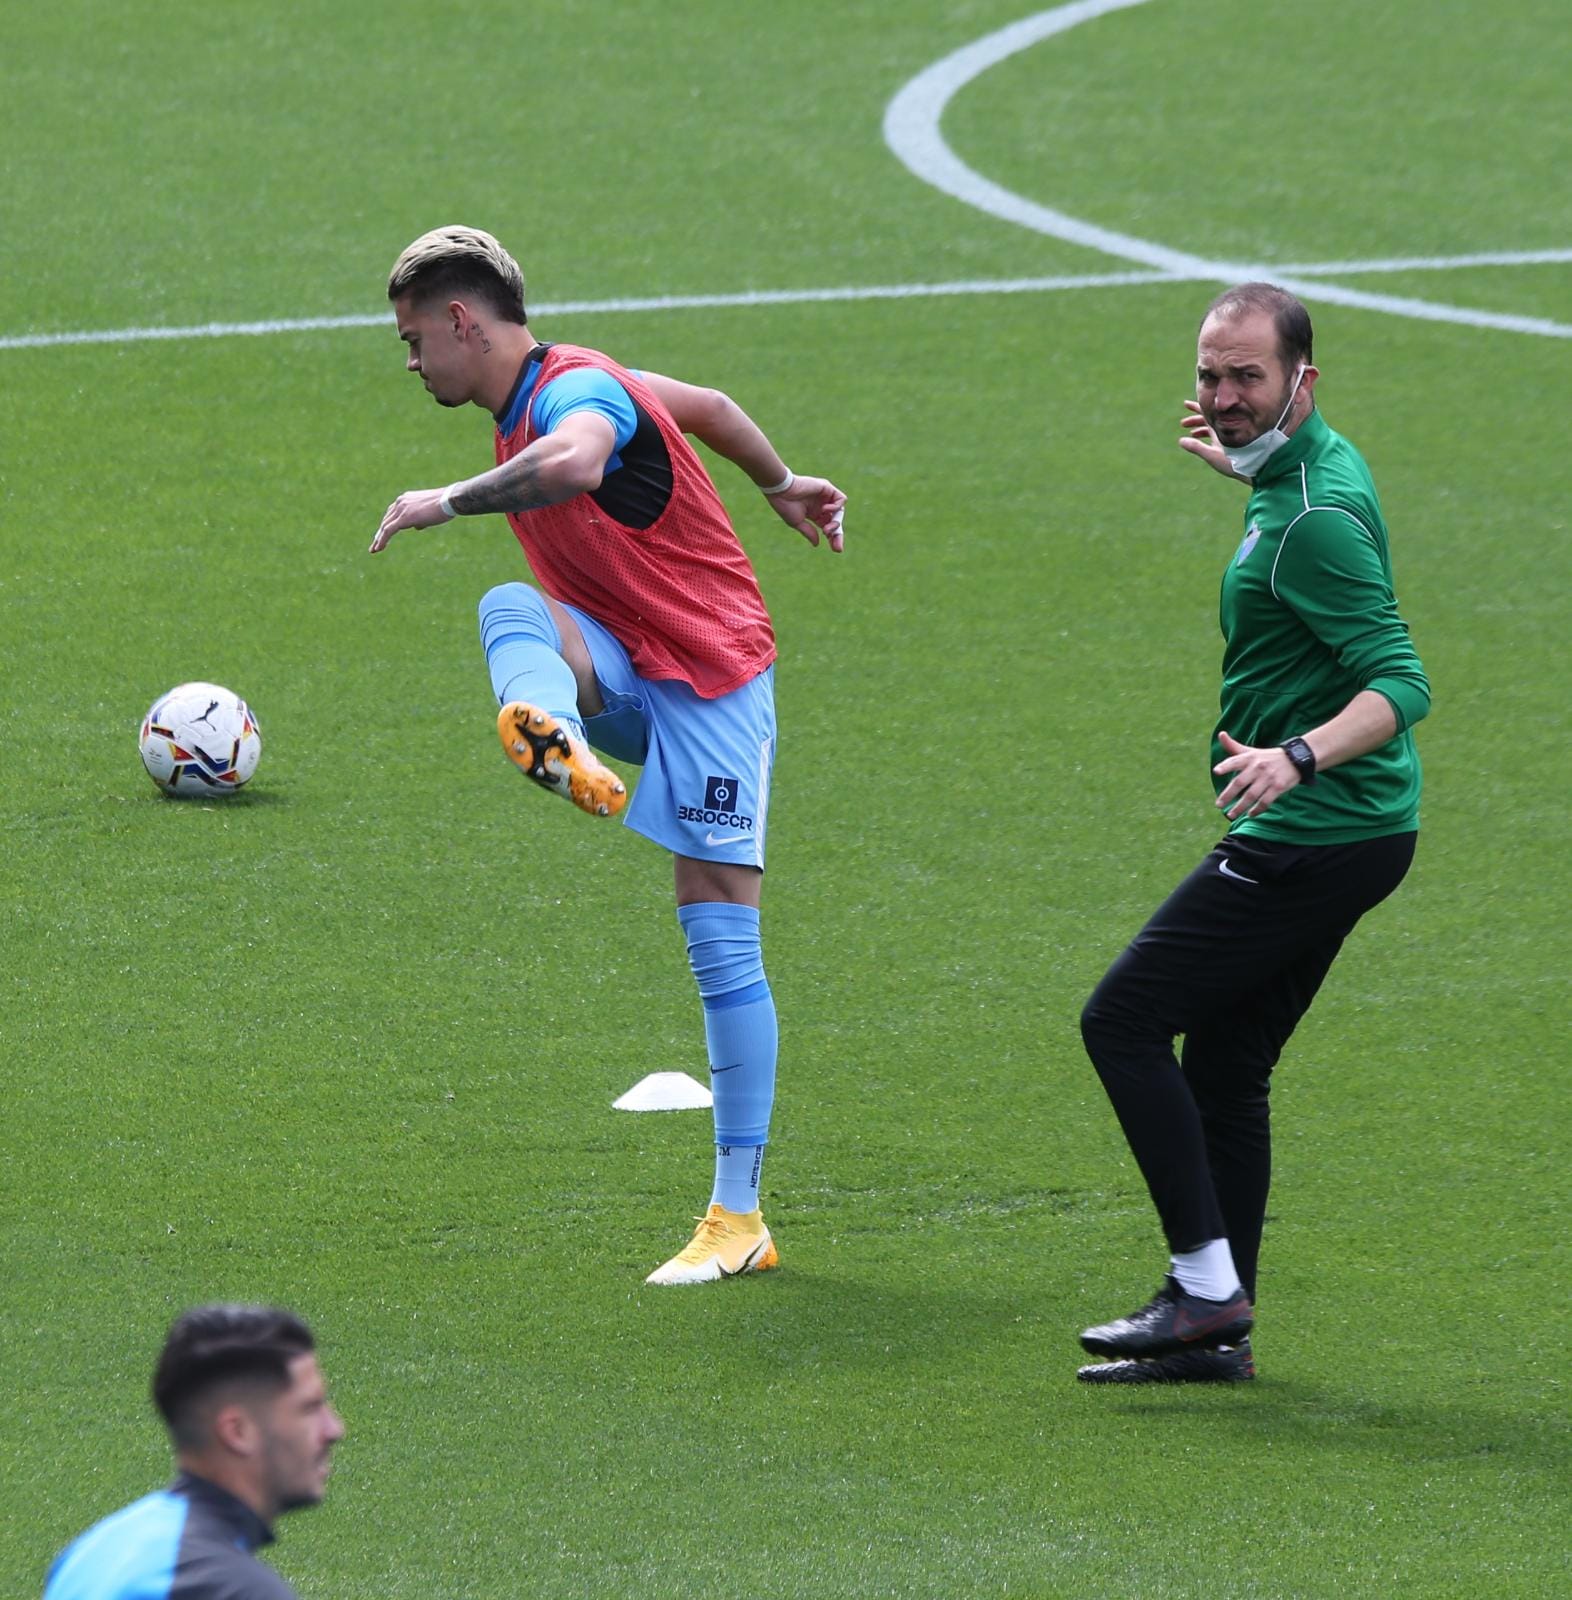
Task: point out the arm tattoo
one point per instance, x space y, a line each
514 486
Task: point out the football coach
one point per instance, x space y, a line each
1314 765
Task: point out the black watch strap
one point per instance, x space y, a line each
1303 758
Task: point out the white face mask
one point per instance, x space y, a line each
1248 459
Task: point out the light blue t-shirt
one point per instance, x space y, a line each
584 389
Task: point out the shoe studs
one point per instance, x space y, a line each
542 748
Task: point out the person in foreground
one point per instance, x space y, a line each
1314 765
247 1410
650 643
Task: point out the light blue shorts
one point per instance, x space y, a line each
705 788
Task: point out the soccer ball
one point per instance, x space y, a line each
200 739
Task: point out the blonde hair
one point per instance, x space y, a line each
456 259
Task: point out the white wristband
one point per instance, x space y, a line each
782 486
446 502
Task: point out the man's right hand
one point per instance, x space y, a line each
1199 440
415 508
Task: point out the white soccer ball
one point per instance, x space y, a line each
200 739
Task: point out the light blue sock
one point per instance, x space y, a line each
727 958
524 653
737 1176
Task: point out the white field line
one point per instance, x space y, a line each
911 129
796 297
1483 258
665 302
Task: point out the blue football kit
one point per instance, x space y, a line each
191 1541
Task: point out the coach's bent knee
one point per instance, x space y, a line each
1115 1030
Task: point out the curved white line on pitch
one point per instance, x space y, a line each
790 297
911 129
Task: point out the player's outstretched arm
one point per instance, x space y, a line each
567 461
813 506
1199 440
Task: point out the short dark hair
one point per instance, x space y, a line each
455 262
1294 334
213 1345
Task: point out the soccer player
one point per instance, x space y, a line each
647 639
247 1410
1315 768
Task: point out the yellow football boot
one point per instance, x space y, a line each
724 1244
543 748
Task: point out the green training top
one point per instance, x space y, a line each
1310 619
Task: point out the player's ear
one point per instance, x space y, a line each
236 1429
458 317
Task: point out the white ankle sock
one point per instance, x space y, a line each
1208 1272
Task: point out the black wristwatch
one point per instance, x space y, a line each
1302 756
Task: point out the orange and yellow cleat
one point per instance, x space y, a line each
724 1244
541 746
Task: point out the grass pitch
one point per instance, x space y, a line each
350 1041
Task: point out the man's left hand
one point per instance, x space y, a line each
812 505
1259 777
415 508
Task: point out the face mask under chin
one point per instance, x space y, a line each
1248 459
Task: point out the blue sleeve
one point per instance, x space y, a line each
585 389
139 1546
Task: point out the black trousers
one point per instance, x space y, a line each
1231 960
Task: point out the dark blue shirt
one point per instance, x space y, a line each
191 1541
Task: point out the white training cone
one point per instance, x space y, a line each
665 1091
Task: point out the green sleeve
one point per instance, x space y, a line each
1333 575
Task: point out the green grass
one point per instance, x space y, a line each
1288 133
350 1041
